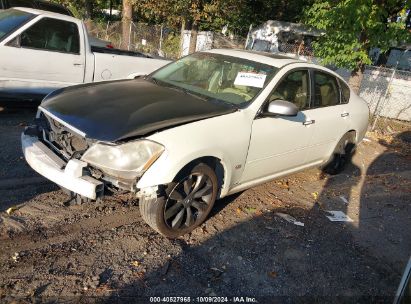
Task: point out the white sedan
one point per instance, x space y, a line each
206 126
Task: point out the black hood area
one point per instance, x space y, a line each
117 110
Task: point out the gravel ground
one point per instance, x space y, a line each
100 252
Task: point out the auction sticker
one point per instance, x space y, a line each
250 79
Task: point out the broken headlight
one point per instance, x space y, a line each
125 161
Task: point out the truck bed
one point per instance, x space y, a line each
96 49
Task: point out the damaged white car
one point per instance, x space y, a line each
204 127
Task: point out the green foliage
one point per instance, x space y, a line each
214 14
90 9
176 12
208 14
352 27
171 46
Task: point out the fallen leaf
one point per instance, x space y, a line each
15 256
272 274
258 213
135 263
11 210
204 229
315 195
250 210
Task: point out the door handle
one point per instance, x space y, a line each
345 114
308 122
77 64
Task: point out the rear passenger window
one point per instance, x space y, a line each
345 92
326 92
294 88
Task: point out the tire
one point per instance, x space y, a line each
185 203
341 155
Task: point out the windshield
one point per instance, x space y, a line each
12 19
225 78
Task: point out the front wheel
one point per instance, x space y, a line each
184 205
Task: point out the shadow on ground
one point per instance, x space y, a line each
18 182
106 253
276 261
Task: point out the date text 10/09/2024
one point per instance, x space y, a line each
202 300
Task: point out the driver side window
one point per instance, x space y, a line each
52 35
295 88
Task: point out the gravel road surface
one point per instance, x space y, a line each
98 252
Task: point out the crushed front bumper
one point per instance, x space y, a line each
68 175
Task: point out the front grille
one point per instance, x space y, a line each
62 139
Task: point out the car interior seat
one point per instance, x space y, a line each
215 81
300 98
58 43
328 96
246 92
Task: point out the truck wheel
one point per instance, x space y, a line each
341 155
184 205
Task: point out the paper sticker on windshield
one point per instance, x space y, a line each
250 79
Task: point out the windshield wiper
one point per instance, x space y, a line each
191 93
220 101
151 79
178 88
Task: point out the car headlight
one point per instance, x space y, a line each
127 160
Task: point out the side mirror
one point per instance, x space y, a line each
281 107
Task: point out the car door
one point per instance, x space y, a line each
45 56
279 144
330 116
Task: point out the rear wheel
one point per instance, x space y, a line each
341 155
184 205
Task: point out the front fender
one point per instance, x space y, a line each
225 137
166 168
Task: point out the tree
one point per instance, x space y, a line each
189 14
85 9
127 17
352 28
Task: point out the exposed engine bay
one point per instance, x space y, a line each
68 146
61 139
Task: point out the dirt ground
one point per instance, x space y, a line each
104 252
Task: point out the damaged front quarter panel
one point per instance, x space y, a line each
149 192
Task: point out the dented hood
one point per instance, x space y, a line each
117 110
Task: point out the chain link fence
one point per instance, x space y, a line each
160 39
150 39
221 41
387 92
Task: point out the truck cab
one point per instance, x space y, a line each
43 51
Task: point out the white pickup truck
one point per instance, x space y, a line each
42 51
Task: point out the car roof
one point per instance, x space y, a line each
275 60
46 13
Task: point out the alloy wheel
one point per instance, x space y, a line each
188 202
